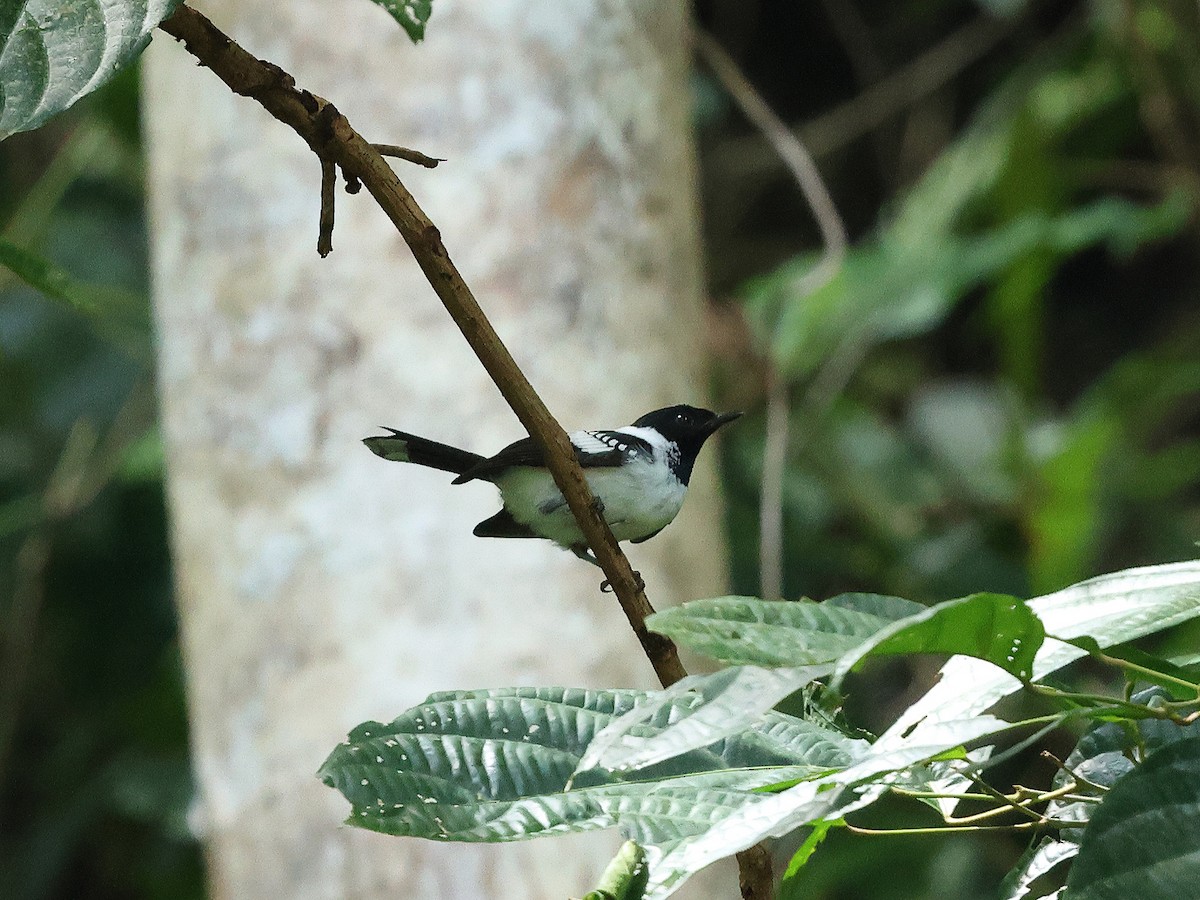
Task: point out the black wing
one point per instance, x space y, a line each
503 525
600 449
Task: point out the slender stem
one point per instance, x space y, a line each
412 156
331 137
807 176
959 829
1014 803
1097 700
1101 656
770 509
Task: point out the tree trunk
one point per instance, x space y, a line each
318 585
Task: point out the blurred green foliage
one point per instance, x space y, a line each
999 391
958 424
94 774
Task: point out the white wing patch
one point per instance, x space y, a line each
604 442
590 442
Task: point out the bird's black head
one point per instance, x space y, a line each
688 427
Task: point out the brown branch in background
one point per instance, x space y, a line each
330 136
1163 115
854 34
325 226
412 156
884 100
833 234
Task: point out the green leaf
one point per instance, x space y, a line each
413 15
733 704
1037 863
1111 608
52 52
1144 840
820 831
828 797
749 631
625 877
119 316
994 627
500 765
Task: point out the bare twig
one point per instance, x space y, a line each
770 506
330 136
885 99
789 148
325 226
833 234
854 34
412 156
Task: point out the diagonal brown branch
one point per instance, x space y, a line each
332 138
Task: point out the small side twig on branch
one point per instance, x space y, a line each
325 228
412 156
331 137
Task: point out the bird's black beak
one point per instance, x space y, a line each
723 419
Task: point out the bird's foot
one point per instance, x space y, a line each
639 584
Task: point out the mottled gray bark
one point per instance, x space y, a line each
318 585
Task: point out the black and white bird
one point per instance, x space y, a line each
639 473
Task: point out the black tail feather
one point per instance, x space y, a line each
400 446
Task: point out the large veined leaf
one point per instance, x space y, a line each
52 52
1112 609
500 765
733 703
1144 840
993 627
749 631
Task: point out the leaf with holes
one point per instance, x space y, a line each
1000 629
1113 609
52 52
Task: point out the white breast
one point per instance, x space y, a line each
639 498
